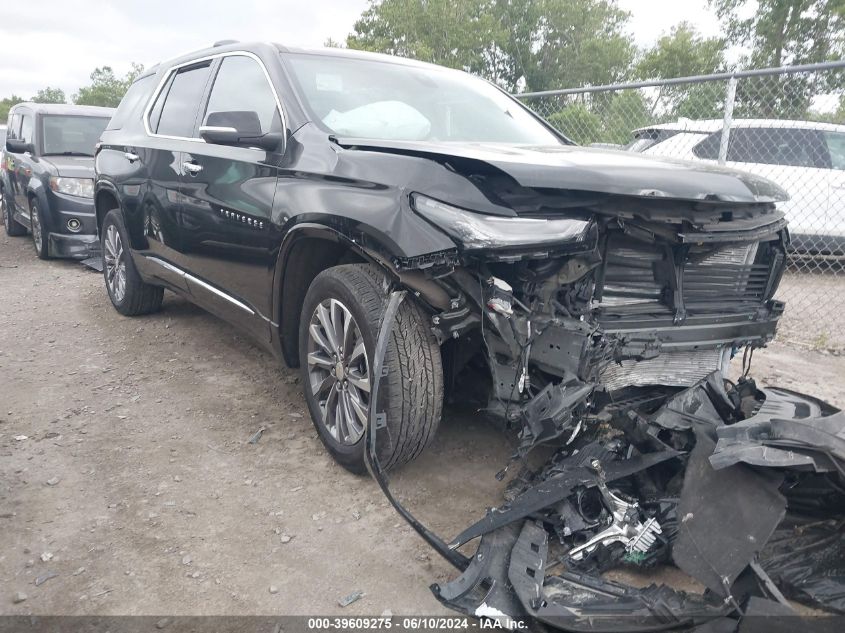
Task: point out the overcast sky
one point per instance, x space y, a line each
59 42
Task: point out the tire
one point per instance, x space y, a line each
129 294
40 231
411 395
13 228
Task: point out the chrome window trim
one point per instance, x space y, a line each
174 69
200 282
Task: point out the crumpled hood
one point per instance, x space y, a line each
592 169
72 166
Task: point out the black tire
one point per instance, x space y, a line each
40 231
411 395
12 226
137 296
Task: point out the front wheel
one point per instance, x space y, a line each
39 231
129 294
338 330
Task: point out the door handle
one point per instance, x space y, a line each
192 168
131 157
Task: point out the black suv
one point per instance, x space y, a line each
288 191
48 184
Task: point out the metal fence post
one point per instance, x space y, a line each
727 119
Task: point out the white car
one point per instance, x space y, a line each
805 158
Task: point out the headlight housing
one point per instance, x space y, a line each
79 187
476 231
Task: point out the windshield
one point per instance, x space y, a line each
71 135
381 100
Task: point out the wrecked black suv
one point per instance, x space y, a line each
591 300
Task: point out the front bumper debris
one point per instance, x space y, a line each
723 481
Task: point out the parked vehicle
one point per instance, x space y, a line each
48 186
806 158
2 166
584 298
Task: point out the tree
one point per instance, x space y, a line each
105 88
6 105
779 33
49 95
538 44
683 53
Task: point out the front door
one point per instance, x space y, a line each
227 201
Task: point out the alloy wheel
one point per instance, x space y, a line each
115 263
37 231
338 371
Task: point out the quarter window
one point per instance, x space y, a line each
835 142
26 128
242 86
179 112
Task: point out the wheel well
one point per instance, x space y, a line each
307 258
105 202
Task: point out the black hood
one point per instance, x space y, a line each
72 166
599 170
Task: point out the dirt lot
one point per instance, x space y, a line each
125 462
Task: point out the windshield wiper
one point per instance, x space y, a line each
69 154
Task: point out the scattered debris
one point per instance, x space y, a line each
81 570
286 538
352 597
44 578
19 597
21 438
257 436
187 560
162 623
53 481
274 589
46 557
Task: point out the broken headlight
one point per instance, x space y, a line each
478 231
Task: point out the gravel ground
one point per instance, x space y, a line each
126 470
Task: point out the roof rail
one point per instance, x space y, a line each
223 43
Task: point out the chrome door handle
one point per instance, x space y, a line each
192 168
131 157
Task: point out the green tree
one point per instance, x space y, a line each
49 95
538 44
106 89
6 105
578 123
784 32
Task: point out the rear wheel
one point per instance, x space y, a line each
13 228
338 329
129 294
39 231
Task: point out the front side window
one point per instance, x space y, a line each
835 142
394 101
242 87
71 135
14 129
26 128
179 110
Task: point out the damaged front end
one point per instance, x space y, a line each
604 330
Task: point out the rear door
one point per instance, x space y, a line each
23 162
228 198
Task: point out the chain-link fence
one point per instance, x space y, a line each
786 124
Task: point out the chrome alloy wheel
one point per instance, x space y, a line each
113 257
37 235
338 371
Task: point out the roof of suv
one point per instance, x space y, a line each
66 109
707 126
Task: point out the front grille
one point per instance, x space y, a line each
642 279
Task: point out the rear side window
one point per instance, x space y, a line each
133 102
242 86
179 111
27 125
643 139
708 149
835 142
776 146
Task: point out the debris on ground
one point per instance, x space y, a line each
257 436
45 577
352 597
19 597
46 557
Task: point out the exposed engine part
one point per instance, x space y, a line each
625 525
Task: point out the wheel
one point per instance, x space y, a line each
39 237
13 228
338 330
129 294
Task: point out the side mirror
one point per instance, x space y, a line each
241 128
17 146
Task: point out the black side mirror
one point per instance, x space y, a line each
17 146
242 128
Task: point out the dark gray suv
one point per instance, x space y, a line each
49 173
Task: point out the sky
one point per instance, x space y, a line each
59 42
